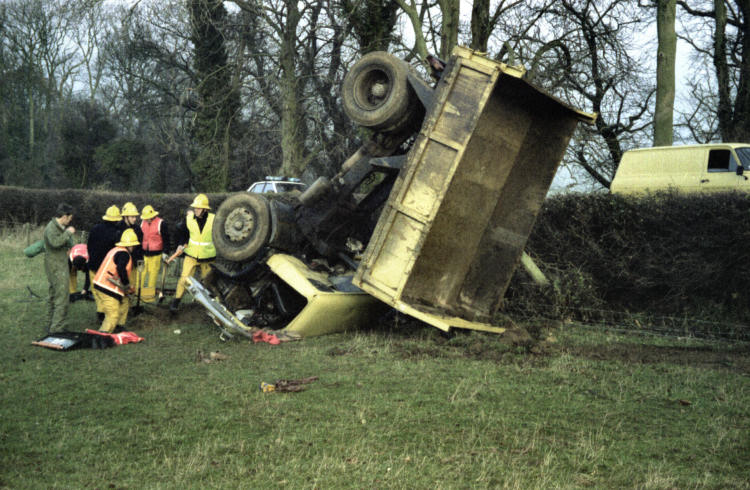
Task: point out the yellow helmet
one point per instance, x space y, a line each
200 201
113 214
148 212
128 239
129 209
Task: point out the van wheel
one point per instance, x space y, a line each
242 226
376 93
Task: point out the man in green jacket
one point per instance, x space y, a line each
58 238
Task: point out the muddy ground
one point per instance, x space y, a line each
717 356
535 345
155 316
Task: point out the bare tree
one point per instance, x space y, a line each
483 22
665 72
283 93
39 57
579 50
93 21
372 23
725 23
148 86
217 98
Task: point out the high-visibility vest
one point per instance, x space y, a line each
152 240
108 269
200 245
80 250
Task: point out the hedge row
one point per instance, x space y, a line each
37 206
665 253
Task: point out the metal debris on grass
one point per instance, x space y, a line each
287 385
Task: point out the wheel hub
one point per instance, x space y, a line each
239 224
374 89
379 89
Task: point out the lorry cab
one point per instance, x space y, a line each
713 167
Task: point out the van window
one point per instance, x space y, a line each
721 161
744 154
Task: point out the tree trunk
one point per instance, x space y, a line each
32 122
218 101
665 73
292 133
449 29
722 71
420 46
742 102
480 25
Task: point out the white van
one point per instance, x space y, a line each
713 167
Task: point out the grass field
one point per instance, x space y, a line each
398 406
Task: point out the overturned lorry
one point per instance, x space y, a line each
430 216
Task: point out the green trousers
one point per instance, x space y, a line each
58 301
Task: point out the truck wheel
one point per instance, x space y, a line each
242 226
376 92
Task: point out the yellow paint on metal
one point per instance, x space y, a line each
533 270
327 310
436 319
682 168
453 229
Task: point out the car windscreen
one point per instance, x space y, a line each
744 155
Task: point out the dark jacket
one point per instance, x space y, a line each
102 239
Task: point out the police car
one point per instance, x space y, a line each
277 184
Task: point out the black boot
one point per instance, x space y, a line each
174 305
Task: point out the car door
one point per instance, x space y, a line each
721 171
743 156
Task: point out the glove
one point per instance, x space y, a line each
164 256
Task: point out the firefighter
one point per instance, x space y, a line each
130 217
102 239
194 240
112 280
78 261
58 237
154 243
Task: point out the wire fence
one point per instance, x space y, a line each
637 323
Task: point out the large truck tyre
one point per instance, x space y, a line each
242 226
376 93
